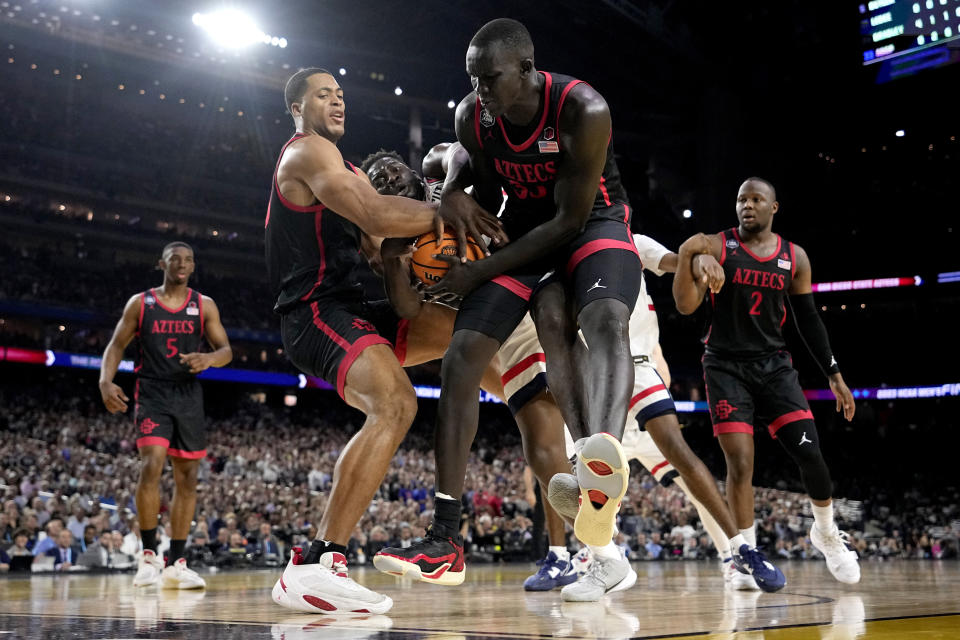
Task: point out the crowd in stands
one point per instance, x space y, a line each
70 469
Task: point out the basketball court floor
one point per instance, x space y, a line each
896 599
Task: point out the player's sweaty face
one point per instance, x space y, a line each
495 76
393 178
755 206
323 108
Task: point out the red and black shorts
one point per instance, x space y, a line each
742 392
170 414
324 337
601 262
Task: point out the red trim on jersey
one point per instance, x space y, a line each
323 326
650 306
476 123
276 185
178 309
770 257
200 306
318 230
514 286
787 418
143 297
152 441
189 455
603 190
353 352
646 392
723 253
543 118
658 467
595 246
563 96
518 368
400 349
732 427
793 261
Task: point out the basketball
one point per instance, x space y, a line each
430 269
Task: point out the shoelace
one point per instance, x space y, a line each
598 570
839 541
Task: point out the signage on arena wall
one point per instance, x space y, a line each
300 381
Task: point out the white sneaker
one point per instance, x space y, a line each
841 560
149 567
326 627
325 588
177 576
733 579
603 576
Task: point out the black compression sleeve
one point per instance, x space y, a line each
813 333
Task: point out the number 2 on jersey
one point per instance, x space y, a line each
757 298
172 347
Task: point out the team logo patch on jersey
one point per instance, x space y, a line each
783 264
732 244
192 309
486 119
548 133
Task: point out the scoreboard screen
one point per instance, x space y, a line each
902 37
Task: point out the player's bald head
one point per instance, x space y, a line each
765 183
506 35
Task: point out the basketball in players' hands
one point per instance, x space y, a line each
432 259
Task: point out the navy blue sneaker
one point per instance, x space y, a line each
753 563
553 573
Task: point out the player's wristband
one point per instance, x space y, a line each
813 332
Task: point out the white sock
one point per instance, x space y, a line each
751 535
562 553
735 543
608 551
719 538
444 496
823 517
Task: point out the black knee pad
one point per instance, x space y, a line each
801 441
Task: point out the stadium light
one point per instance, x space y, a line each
687 213
343 71
398 91
451 104
900 133
234 29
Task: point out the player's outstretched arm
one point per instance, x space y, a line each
814 333
697 271
216 335
405 300
114 399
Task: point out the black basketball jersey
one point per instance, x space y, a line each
751 308
311 251
165 334
526 163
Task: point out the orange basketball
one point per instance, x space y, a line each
428 268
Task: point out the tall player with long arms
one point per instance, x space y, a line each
545 138
748 372
321 211
170 321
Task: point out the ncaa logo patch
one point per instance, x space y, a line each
149 300
486 119
732 244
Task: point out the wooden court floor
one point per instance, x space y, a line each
899 599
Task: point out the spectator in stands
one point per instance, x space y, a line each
654 548
64 552
49 540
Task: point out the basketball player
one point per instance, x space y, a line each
651 406
747 371
544 138
321 211
521 377
171 322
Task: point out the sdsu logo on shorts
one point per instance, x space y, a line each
486 119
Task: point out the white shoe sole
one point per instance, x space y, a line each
628 581
601 468
283 598
401 568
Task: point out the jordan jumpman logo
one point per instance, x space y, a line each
804 438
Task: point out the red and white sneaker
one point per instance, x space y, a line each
149 567
325 588
178 576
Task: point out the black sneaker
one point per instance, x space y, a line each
434 559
